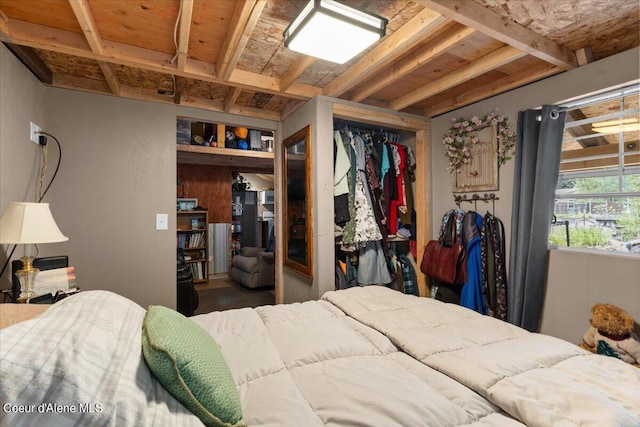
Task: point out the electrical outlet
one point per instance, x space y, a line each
34 133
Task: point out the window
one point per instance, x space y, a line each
598 195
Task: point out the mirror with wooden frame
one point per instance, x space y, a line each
298 223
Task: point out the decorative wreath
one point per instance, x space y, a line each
462 135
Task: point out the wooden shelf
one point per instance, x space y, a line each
187 236
230 157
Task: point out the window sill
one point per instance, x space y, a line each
591 251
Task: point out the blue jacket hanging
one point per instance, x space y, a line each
472 296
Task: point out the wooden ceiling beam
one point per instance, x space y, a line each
388 50
84 84
598 150
504 84
67 81
96 86
271 85
582 130
41 37
186 12
4 26
32 61
496 59
584 56
84 16
347 110
110 76
231 99
178 90
412 62
245 17
476 16
89 28
70 43
218 105
295 70
584 164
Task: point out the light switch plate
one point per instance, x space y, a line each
33 134
162 221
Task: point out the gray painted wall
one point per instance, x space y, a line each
118 170
297 287
570 291
21 101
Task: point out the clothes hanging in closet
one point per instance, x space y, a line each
367 229
388 173
409 276
372 265
370 171
341 167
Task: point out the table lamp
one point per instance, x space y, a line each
27 224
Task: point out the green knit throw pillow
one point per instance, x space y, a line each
189 364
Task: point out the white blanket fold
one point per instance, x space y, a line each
538 379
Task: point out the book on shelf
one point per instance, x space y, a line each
198 270
191 240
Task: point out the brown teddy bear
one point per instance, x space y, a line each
611 333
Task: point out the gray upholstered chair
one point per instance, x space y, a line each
253 268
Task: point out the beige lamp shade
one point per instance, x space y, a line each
29 223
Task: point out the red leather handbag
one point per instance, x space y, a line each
445 259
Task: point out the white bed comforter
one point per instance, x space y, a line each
361 357
538 379
308 364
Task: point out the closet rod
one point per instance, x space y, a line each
363 128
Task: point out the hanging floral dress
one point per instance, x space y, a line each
366 227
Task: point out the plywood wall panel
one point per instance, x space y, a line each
209 28
60 63
147 24
211 185
53 13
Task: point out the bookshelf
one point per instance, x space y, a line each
192 237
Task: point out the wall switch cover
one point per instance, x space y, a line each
162 221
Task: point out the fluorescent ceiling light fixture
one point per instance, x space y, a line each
616 126
333 31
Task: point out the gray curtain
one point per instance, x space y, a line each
537 162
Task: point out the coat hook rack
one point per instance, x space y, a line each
474 198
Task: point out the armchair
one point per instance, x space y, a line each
253 268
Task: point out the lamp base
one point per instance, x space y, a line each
27 277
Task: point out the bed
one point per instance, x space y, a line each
365 356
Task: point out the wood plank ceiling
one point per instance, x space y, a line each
228 55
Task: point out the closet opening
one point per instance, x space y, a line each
378 201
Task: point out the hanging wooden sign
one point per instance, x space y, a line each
480 173
476 148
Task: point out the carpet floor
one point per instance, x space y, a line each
234 296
